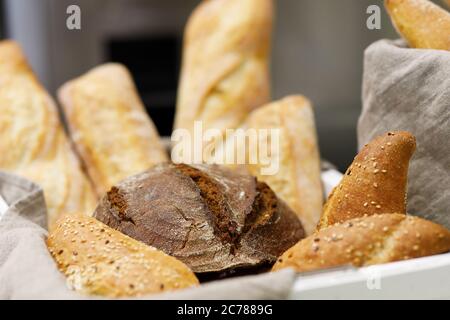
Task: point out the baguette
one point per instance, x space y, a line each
225 68
109 126
297 181
375 182
423 24
98 260
33 143
367 241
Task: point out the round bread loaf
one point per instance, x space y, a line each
215 220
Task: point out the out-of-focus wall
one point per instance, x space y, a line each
40 26
2 20
27 22
319 47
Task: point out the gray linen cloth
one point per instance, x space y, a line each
409 89
27 271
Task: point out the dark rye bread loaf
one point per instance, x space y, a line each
215 220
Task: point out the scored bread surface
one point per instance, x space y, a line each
214 220
225 67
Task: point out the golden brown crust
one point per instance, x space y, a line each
298 180
98 260
34 144
367 241
225 63
422 23
109 126
375 183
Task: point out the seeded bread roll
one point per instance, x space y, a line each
109 126
98 260
215 220
367 241
375 182
33 143
225 69
422 23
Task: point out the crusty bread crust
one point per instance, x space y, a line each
376 181
217 221
367 241
109 126
33 143
98 260
298 180
422 23
225 68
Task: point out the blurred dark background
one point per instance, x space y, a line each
317 51
2 21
